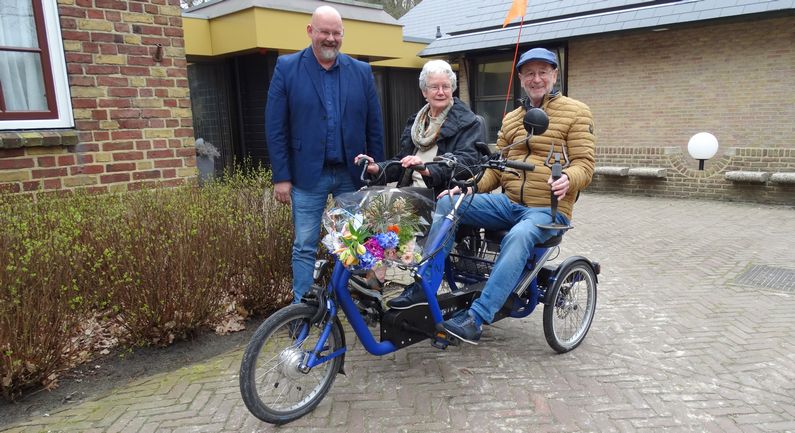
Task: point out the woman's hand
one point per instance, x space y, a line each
414 160
372 167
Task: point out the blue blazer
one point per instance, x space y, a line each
294 117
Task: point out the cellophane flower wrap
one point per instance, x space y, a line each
377 226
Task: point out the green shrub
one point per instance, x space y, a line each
164 263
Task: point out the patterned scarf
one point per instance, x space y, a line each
426 128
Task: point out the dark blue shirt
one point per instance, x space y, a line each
331 102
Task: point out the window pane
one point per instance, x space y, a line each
17 26
22 82
493 78
492 112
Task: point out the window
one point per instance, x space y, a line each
492 76
34 92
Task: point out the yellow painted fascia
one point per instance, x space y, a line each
197 36
407 58
285 31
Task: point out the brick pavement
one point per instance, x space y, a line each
677 345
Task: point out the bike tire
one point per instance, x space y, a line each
269 378
569 307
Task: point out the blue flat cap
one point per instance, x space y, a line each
538 54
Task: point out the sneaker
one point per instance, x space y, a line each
465 326
412 296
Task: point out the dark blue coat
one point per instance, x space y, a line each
295 117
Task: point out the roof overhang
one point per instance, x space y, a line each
240 26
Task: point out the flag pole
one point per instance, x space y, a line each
513 66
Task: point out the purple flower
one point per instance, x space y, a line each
374 248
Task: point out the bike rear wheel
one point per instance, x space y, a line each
570 306
273 387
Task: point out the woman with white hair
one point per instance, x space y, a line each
444 125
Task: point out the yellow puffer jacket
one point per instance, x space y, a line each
570 123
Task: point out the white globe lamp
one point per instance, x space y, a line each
702 147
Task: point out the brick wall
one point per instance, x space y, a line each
651 91
683 179
133 123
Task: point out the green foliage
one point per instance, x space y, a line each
165 261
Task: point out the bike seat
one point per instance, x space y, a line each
497 235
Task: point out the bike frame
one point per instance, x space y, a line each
338 289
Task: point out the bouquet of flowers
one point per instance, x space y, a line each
376 227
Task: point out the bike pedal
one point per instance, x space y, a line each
442 339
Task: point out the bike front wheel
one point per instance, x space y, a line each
570 306
272 383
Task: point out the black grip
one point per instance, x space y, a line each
418 167
526 166
557 171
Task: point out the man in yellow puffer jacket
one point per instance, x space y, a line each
525 200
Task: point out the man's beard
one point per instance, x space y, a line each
329 53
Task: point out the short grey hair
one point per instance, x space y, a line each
437 67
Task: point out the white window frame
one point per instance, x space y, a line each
60 79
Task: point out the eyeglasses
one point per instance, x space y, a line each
445 88
325 34
542 74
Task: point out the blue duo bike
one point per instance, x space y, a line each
293 358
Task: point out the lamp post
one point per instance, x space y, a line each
702 147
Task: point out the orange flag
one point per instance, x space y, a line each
517 10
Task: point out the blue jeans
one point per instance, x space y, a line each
307 206
497 212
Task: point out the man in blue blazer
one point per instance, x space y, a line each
322 111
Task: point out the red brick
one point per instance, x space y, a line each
122 166
135 50
126 135
9 187
136 7
70 11
96 14
117 145
115 103
87 124
49 172
155 154
151 112
99 114
52 183
111 4
128 156
121 28
169 173
113 16
173 31
102 69
143 145
74 35
90 169
149 174
123 92
113 178
183 132
113 81
172 123
159 82
46 161
161 163
108 49
126 113
84 103
141 60
64 160
186 151
160 144
157 123
133 123
9 164
95 189
31 185
102 37
78 58
137 71
83 81
146 93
